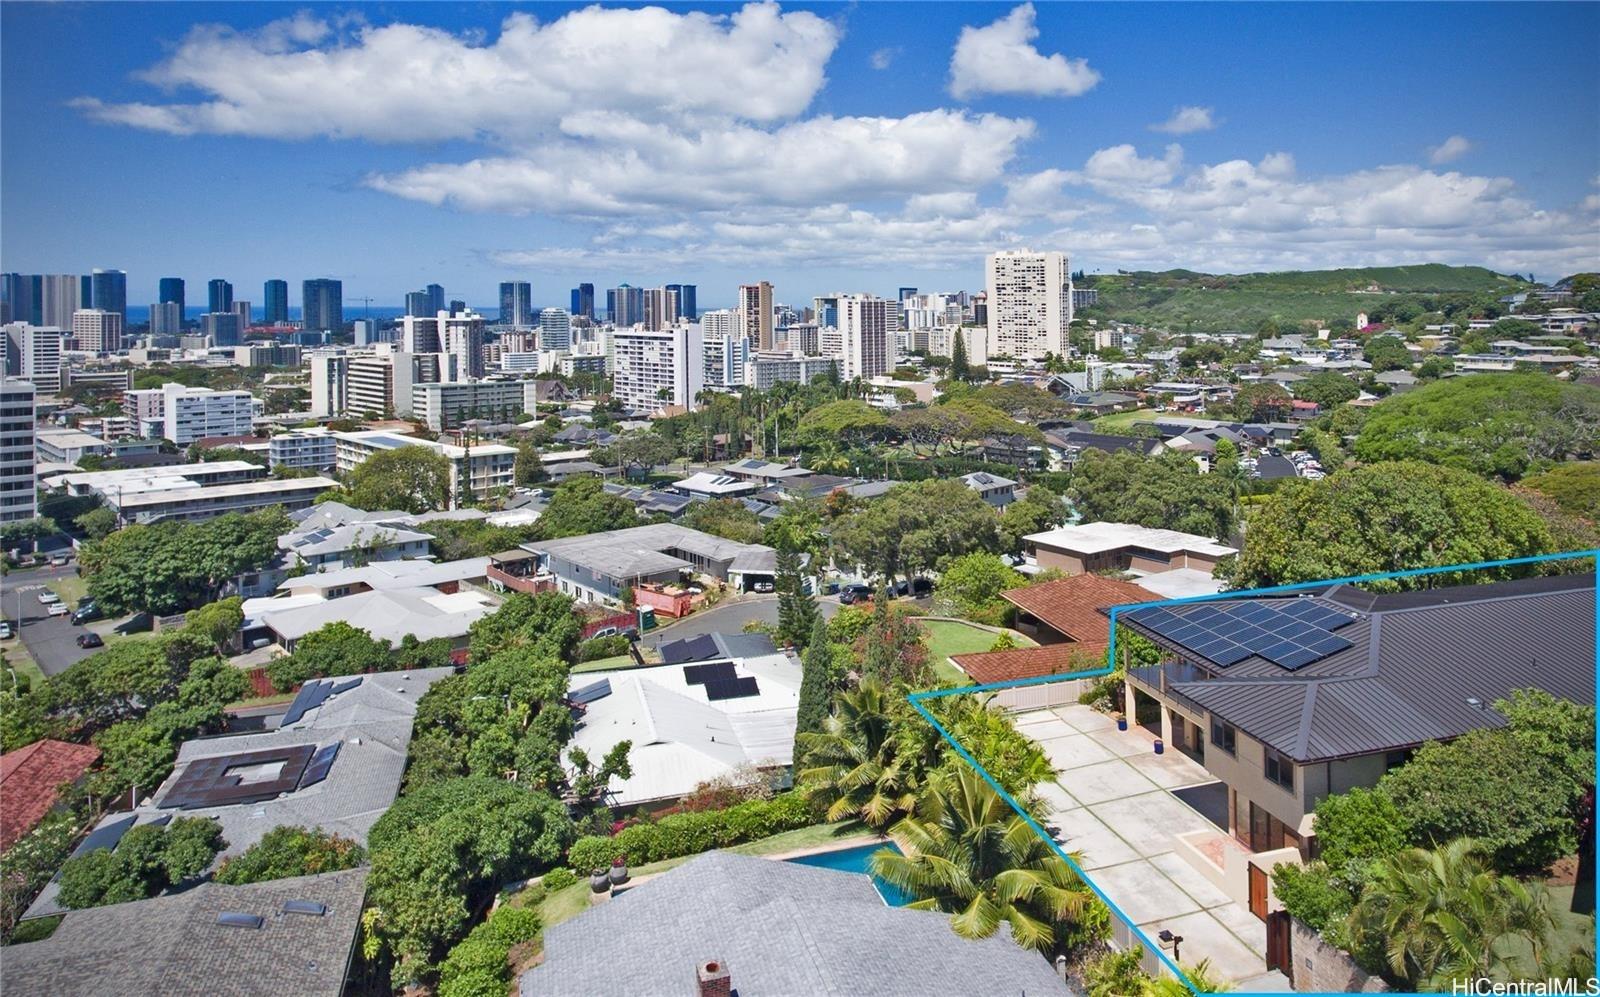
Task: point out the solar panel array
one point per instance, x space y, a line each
736 688
722 671
1290 636
317 769
310 696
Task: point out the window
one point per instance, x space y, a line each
1279 769
1224 735
1395 759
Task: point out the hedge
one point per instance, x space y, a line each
477 966
690 833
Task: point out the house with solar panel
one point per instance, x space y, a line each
332 760
720 706
1290 699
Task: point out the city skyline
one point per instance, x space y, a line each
825 148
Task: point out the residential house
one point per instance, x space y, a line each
1140 550
600 567
30 781
993 489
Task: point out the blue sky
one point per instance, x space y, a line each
820 146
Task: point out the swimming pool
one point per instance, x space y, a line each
855 860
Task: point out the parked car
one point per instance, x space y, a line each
852 594
85 612
5 630
57 608
58 560
90 639
762 587
48 598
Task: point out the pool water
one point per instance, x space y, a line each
855 860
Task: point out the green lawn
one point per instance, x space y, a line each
946 638
604 664
71 589
19 660
1120 421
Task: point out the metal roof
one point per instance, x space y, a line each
1422 666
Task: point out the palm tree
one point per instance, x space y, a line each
853 766
1200 978
1443 915
973 857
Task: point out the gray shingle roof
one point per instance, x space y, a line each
782 929
173 945
1417 660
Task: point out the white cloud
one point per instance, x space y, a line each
1000 58
303 77
1186 120
883 58
1449 150
612 163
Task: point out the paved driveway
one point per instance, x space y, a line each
1113 802
51 640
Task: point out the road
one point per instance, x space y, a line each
51 640
728 618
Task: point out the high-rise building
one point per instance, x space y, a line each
275 302
420 304
462 338
516 303
660 307
330 384
365 331
97 330
456 306
219 295
686 305
21 293
583 301
862 344
322 305
242 309
370 385
721 323
436 302
825 311
1029 304
33 353
59 297
906 292
625 305
653 368
172 291
725 361
109 292
166 319
555 329
189 414
17 483
755 313
222 328
420 334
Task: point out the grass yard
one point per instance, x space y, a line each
71 589
604 664
946 638
17 659
1121 421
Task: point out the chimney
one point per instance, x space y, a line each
713 979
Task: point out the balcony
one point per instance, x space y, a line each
518 571
1159 679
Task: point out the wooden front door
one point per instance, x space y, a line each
1258 892
1279 956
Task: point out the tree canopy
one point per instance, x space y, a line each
582 505
1163 492
1386 517
1493 424
171 566
411 479
916 525
1327 389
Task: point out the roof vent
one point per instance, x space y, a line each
1475 702
238 919
308 907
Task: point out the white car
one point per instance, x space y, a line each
57 608
5 629
49 598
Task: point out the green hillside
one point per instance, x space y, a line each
1184 299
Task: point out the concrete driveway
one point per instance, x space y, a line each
1113 803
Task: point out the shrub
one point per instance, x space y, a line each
602 647
477 967
1311 894
146 861
558 879
691 833
291 851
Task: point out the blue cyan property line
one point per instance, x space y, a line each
917 698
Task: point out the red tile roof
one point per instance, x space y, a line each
1030 662
1070 606
29 778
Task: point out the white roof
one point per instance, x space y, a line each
390 615
1097 538
682 739
192 491
69 438
388 575
714 484
335 539
145 478
1179 583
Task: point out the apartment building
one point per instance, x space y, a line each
96 330
1029 304
755 313
475 472
653 368
17 499
861 342
726 362
770 369
183 414
447 404
310 448
33 353
330 384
